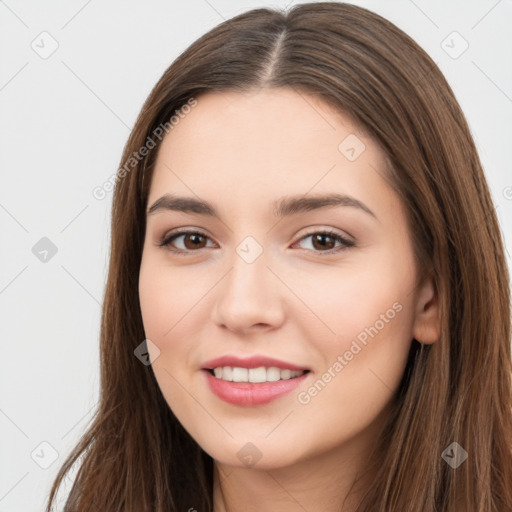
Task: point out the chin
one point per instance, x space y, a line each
255 454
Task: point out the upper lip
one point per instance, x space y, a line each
250 362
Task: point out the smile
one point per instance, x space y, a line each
252 381
255 375
246 393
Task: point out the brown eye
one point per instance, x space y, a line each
196 240
190 241
325 242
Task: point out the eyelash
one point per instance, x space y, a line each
166 241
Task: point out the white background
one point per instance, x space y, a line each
64 121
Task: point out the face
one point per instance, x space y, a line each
327 290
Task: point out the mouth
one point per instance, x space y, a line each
252 381
250 387
257 375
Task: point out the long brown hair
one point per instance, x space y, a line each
135 455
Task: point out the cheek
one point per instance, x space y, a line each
168 298
172 307
361 369
164 314
366 294
371 311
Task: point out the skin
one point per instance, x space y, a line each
294 303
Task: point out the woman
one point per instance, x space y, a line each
306 306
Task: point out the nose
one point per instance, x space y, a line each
249 297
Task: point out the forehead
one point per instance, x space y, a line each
264 144
272 118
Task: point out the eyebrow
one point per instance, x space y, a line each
283 207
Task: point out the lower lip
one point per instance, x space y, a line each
249 393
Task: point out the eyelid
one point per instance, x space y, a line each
346 242
311 230
170 236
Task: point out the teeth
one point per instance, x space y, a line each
287 374
240 374
273 374
260 374
257 374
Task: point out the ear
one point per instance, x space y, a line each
427 323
